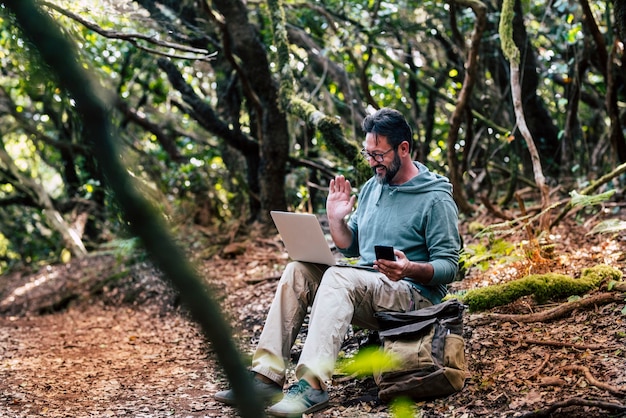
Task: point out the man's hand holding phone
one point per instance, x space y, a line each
391 262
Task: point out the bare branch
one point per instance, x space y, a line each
204 55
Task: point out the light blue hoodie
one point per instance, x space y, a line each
419 217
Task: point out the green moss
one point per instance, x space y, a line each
542 287
602 272
505 29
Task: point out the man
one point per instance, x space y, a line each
403 205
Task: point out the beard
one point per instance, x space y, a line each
390 171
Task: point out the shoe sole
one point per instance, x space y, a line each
266 401
314 408
225 401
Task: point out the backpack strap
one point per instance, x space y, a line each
439 343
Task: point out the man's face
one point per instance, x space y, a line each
377 146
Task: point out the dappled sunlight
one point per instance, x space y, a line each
33 284
610 251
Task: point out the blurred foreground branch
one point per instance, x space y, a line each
59 55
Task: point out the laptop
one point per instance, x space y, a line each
304 239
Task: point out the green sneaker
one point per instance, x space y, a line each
269 393
300 399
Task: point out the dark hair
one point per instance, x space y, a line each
391 124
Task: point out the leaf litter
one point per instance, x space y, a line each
76 343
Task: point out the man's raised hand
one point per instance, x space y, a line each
340 201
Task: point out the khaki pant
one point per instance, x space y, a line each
339 296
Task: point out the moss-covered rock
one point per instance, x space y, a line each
542 287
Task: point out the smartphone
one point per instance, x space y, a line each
384 252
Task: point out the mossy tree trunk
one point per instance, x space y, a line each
512 52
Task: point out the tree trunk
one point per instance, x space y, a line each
538 120
507 25
261 89
243 55
462 106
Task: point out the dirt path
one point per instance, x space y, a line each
104 361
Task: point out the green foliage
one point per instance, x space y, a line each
542 287
483 256
6 254
370 360
581 200
403 408
123 248
611 226
367 361
29 240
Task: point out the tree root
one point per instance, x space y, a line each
540 368
547 411
551 314
582 347
595 382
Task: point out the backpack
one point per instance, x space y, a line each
428 346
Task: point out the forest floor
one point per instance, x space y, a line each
105 336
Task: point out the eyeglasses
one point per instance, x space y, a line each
376 156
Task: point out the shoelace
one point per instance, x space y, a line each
296 389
